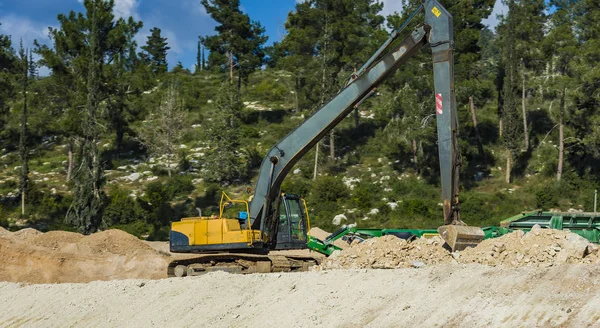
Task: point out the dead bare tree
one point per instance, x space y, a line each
162 132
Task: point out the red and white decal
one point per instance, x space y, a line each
438 104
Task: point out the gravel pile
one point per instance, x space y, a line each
540 247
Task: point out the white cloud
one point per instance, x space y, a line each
499 9
391 6
126 8
19 27
195 7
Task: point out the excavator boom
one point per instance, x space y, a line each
278 221
438 33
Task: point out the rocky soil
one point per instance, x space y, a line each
540 247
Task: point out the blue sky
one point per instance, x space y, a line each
180 20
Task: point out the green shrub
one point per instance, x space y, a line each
54 206
121 209
180 185
365 195
270 89
415 208
328 189
299 187
547 198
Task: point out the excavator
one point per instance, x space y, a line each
274 221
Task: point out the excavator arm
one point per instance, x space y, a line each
438 33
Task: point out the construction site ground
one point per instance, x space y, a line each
545 278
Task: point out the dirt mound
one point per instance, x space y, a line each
55 239
3 231
58 256
26 233
540 247
116 242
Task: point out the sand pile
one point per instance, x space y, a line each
540 247
58 256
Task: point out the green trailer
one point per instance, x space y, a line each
587 225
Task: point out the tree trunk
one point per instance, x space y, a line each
356 117
500 127
332 145
415 156
561 136
239 86
297 87
231 67
316 162
70 164
22 204
525 132
508 165
476 127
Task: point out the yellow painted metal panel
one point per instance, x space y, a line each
214 231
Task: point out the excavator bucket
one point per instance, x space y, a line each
460 237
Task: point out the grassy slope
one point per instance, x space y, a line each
382 181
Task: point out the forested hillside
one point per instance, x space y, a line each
115 136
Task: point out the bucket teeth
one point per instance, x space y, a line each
460 237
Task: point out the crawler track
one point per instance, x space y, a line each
242 263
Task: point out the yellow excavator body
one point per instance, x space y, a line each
206 233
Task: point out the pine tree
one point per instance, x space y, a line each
23 148
510 115
88 195
561 47
586 119
120 79
199 64
327 40
156 47
8 67
239 41
223 162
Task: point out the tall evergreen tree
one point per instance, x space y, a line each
586 119
8 67
156 47
120 78
510 85
239 42
561 47
327 40
23 148
223 162
89 198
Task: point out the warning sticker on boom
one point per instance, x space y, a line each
438 104
436 12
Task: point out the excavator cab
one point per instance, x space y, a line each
293 223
